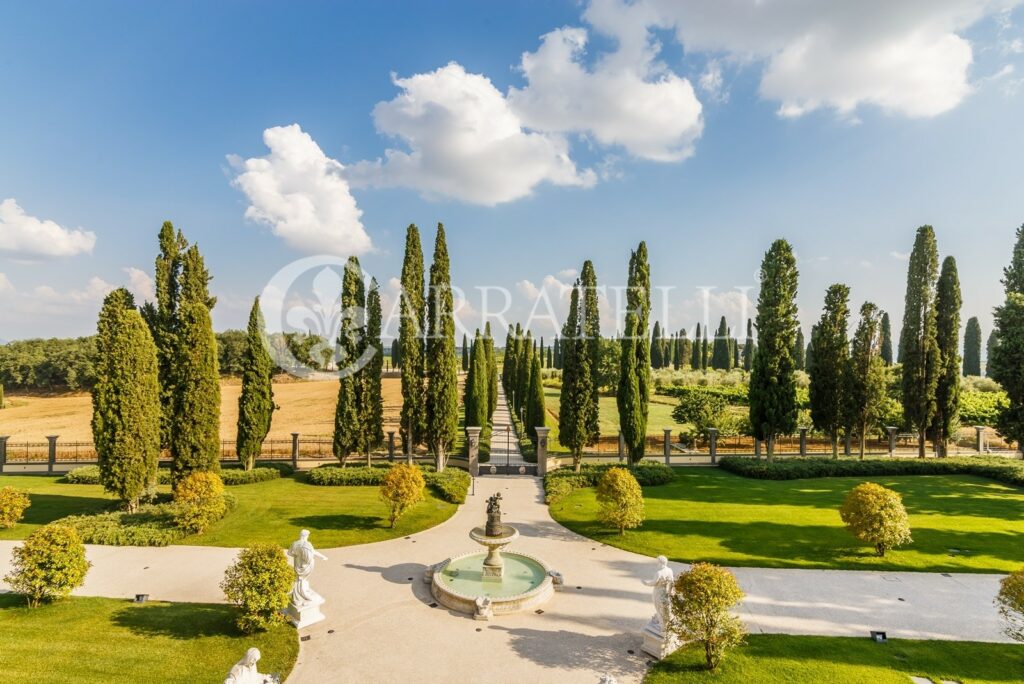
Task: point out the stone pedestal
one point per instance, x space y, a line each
304 615
656 642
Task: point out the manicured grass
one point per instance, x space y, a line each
659 416
108 640
959 523
271 511
846 660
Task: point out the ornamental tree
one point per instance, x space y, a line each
919 349
972 347
401 488
620 500
831 360
258 583
702 605
48 565
256 401
866 378
876 515
946 422
1010 602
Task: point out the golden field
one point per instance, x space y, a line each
305 406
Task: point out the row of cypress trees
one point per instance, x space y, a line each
522 381
481 392
579 354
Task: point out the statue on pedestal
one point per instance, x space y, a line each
304 608
493 528
658 638
244 671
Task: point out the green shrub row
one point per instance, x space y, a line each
562 482
90 474
995 468
452 485
237 476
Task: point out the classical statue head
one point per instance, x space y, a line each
252 656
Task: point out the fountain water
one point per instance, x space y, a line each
493 583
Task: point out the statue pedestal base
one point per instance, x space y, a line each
656 642
305 615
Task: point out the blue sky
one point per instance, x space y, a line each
707 133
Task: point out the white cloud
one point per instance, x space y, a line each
6 287
528 289
28 236
302 194
141 285
568 273
626 99
464 142
906 57
900 256
712 82
93 293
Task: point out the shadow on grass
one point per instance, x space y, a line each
46 508
177 620
339 521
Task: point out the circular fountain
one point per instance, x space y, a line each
495 582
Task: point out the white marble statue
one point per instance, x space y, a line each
483 608
663 582
244 671
303 560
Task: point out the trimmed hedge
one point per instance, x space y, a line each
90 474
1003 470
452 485
237 476
562 482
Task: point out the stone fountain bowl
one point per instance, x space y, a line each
526 583
508 535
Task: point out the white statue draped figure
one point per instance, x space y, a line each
303 560
663 581
244 671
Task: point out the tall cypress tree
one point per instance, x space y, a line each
799 350
373 406
256 401
705 350
972 347
695 356
476 392
524 359
534 401
721 359
990 351
748 347
886 351
575 396
947 337
349 412
829 403
541 355
1013 274
126 401
465 354
591 327
866 379
1005 361
508 364
195 433
396 354
411 330
773 407
492 372
918 345
656 351
635 357
442 374
685 351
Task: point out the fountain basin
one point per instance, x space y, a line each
524 584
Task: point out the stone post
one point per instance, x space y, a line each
847 443
979 438
757 449
668 445
542 450
622 447
803 441
391 445
3 451
51 456
473 441
713 442
892 439
295 450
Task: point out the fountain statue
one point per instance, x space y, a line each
304 608
493 583
658 638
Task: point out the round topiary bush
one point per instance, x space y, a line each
258 583
876 515
13 503
620 500
701 605
401 488
49 565
199 501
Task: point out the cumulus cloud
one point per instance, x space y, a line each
907 58
712 82
6 287
302 194
27 236
141 285
464 141
626 99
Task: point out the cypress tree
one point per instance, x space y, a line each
1005 361
591 327
396 354
492 372
947 337
886 351
195 431
256 401
684 352
349 413
735 344
1013 274
551 362
465 354
476 399
126 401
574 396
695 356
373 406
748 348
773 407
163 320
508 364
523 362
809 351
866 379
721 359
705 350
972 347
990 349
635 357
799 350
656 351
411 330
442 375
829 403
918 345
534 401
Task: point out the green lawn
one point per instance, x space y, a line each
659 417
272 511
846 660
108 640
959 523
